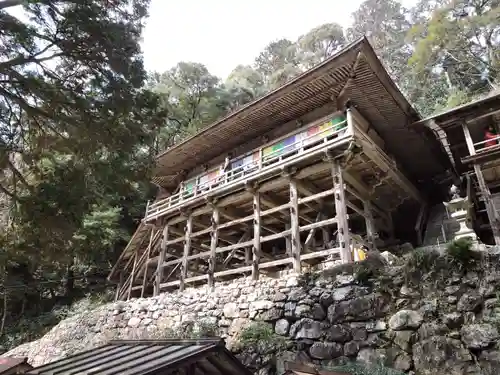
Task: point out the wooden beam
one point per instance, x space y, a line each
161 259
468 139
145 273
295 226
341 212
267 186
187 249
213 247
312 232
256 235
244 238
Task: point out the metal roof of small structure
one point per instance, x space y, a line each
202 356
354 73
8 364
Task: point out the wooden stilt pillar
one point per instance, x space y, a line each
288 242
370 224
187 249
213 247
490 209
341 211
248 256
145 273
161 260
256 235
118 287
294 226
326 234
132 275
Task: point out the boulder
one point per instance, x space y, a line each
371 356
231 310
469 302
306 329
326 350
453 320
339 333
405 319
479 336
440 355
281 327
358 309
352 348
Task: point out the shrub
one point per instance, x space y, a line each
460 252
369 268
260 337
421 262
353 368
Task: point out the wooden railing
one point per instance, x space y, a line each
299 144
481 146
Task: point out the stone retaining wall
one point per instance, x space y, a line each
444 328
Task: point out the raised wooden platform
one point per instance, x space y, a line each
320 200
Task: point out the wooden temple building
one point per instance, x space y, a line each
475 158
334 159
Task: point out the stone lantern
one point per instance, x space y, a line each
457 209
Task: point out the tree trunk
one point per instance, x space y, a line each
69 284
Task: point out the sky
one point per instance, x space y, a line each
224 33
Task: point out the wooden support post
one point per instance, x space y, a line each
118 287
310 239
248 256
288 243
161 260
145 273
350 122
132 275
187 249
468 139
213 247
256 235
370 224
341 212
295 226
490 209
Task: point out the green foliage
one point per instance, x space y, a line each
420 261
369 269
31 328
354 368
460 252
261 338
